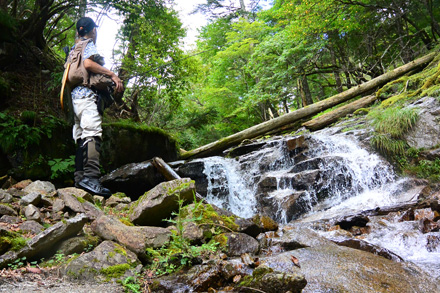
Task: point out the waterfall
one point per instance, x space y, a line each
277 177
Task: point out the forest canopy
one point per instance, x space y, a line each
249 64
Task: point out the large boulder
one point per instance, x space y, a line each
426 131
160 202
137 239
133 179
123 144
328 267
109 261
236 244
42 245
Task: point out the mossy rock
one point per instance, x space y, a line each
125 143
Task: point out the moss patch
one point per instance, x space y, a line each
115 272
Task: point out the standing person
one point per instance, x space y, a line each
87 130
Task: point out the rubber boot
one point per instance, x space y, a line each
90 181
79 162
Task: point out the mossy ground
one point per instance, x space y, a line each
392 120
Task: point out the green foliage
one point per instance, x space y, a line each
179 253
393 121
18 263
115 272
131 285
390 125
61 168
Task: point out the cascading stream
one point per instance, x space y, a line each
345 179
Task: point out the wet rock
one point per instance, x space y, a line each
427 225
349 222
194 170
133 179
265 223
42 245
296 236
235 244
33 213
41 187
137 239
7 210
433 243
58 205
426 132
292 204
33 198
10 219
427 213
271 281
332 268
5 197
244 148
159 203
108 261
31 226
368 247
296 142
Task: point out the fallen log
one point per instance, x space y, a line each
263 128
328 118
169 173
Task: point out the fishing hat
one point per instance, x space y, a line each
84 25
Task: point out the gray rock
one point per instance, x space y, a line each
10 219
31 226
58 205
91 210
341 269
46 201
271 281
42 245
73 245
100 264
33 213
159 203
97 199
7 210
33 198
113 201
237 243
5 197
42 187
426 132
80 194
137 239
71 202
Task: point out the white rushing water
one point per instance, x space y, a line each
371 183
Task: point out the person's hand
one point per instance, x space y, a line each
119 86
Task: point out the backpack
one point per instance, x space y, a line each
76 74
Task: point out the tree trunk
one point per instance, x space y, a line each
333 116
304 89
262 128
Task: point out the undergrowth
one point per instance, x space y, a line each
179 252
